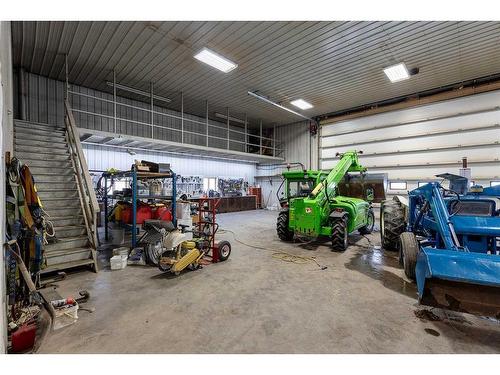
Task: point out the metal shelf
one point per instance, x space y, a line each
137 175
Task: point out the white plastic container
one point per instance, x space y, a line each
121 251
118 236
183 211
118 262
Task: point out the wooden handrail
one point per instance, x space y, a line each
85 186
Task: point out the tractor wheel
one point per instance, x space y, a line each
224 250
370 222
392 223
339 234
408 249
284 233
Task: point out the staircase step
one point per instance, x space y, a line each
42 185
58 138
70 231
64 266
39 125
54 203
59 221
64 211
31 158
37 131
65 169
67 243
58 193
54 178
42 150
40 143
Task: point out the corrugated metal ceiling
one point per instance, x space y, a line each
333 65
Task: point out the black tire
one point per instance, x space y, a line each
153 253
224 250
370 223
392 224
408 250
284 233
339 234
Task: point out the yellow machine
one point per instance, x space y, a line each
180 253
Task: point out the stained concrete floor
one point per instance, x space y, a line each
255 303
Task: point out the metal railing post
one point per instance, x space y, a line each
274 140
227 123
206 112
182 117
246 133
152 111
66 93
260 139
114 100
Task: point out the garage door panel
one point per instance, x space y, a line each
477 102
464 122
434 157
429 173
441 141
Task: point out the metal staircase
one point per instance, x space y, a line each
58 166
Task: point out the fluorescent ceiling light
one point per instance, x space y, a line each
214 59
301 103
397 72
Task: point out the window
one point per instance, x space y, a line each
397 185
495 183
209 183
300 188
422 183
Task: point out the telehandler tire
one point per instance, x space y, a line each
284 233
408 250
392 224
339 234
370 223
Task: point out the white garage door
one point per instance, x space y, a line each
413 145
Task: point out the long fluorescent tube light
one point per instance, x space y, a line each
138 92
397 72
301 103
215 60
231 118
263 98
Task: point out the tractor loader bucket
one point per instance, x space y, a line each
460 281
367 186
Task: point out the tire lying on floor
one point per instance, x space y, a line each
392 223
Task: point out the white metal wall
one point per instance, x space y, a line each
415 144
299 146
101 158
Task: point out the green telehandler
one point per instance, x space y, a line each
318 204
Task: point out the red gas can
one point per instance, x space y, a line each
162 213
144 212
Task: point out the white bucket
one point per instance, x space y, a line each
118 236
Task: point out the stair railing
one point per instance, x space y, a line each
86 190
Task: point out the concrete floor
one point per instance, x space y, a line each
254 303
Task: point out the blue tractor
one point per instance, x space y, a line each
449 242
